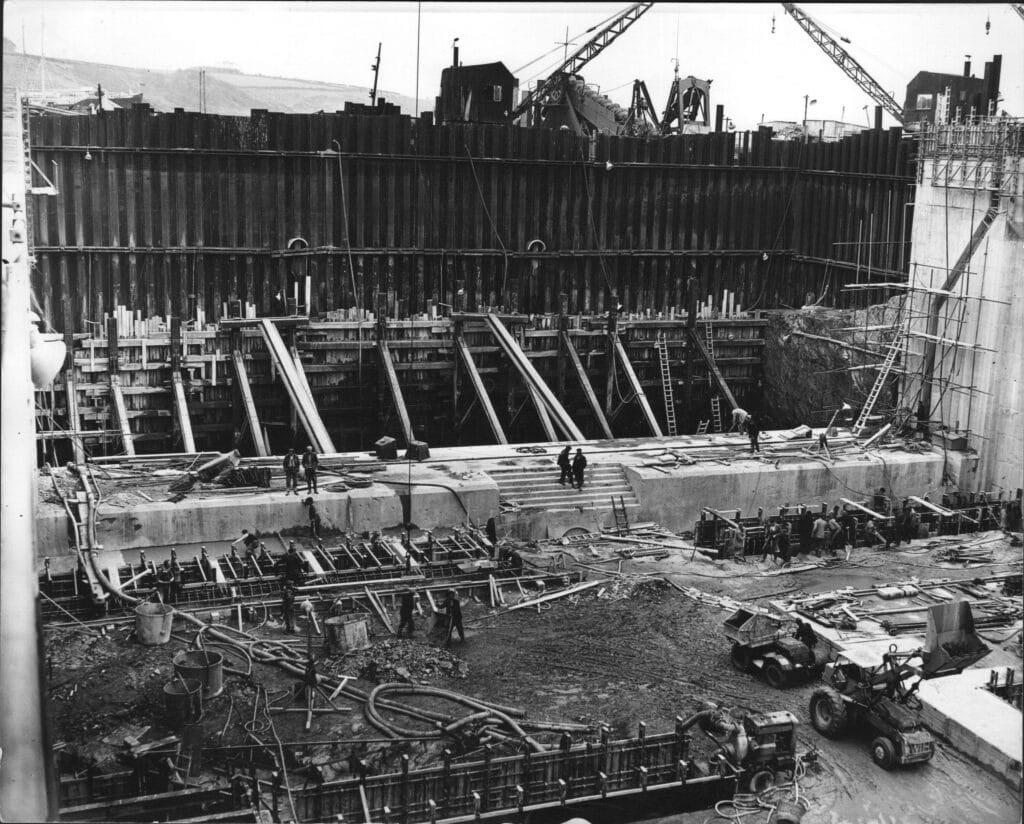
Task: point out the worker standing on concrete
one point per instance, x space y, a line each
565 464
291 465
164 582
579 463
881 502
753 430
405 610
783 544
739 420
849 524
311 463
771 542
453 609
834 533
820 534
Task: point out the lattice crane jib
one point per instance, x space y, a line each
583 55
854 70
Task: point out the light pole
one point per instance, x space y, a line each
807 102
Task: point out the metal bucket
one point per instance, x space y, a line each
347 633
183 702
153 623
204 666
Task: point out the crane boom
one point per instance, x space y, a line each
584 54
841 58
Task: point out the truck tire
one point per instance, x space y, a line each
828 712
775 675
883 752
740 656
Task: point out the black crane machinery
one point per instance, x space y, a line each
854 70
563 99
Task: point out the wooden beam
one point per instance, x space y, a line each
74 418
181 408
862 508
542 413
719 379
396 390
588 389
242 379
121 413
481 390
638 390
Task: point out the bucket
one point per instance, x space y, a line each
153 623
183 702
787 812
347 633
204 666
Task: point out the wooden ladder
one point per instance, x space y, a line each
709 340
666 384
716 412
883 375
621 517
702 427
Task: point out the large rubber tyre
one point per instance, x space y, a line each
883 752
828 712
775 675
740 657
760 781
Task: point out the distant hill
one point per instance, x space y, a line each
227 91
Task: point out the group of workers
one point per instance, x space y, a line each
572 468
309 463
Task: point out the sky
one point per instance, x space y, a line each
756 73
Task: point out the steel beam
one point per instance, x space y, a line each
638 390
710 361
588 389
181 407
542 413
242 379
481 391
121 412
396 390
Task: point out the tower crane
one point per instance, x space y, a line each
583 55
842 58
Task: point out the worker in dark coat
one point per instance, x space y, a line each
565 464
311 463
314 518
453 609
292 566
405 610
291 465
782 544
579 464
881 502
753 430
805 531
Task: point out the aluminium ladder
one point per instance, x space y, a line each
666 384
883 375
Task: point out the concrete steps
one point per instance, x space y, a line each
540 489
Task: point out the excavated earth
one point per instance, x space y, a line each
641 651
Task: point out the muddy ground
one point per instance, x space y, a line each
642 652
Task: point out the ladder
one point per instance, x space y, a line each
702 427
716 412
621 518
709 338
883 375
666 384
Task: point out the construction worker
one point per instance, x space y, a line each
291 465
292 566
288 606
740 417
314 518
805 531
849 524
248 540
753 430
819 534
834 533
771 542
310 462
165 582
783 545
453 609
565 464
579 463
405 610
881 502
872 537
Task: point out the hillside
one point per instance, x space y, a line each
227 92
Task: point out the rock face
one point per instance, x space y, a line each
806 380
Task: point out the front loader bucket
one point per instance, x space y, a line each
951 644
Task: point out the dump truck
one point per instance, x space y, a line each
766 644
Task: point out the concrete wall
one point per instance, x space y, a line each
944 218
675 501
